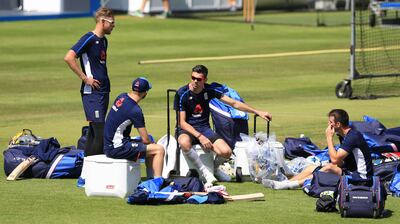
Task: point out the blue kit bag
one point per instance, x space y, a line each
394 185
300 147
68 165
386 170
322 181
361 198
54 162
228 121
82 140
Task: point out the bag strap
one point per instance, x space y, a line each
54 165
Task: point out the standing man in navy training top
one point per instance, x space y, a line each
125 113
91 49
352 158
194 120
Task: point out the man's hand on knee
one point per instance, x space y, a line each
206 143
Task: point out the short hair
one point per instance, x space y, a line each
200 69
340 115
103 12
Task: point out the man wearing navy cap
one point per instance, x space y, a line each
125 113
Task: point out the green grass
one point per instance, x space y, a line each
291 18
39 92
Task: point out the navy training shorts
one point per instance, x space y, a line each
95 106
206 131
130 150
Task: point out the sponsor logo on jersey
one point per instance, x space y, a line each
117 104
198 110
103 57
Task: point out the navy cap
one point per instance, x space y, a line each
141 85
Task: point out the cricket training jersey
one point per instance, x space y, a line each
92 52
196 105
124 113
359 158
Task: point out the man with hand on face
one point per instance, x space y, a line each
352 158
91 49
192 104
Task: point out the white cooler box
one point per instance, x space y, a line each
110 177
241 164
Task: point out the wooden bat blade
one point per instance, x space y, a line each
20 169
242 197
246 197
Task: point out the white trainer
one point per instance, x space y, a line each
209 177
136 13
222 176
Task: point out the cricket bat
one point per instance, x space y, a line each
246 197
20 169
241 197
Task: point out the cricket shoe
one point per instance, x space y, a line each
209 177
164 15
222 176
136 13
228 169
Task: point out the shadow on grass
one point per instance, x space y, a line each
387 213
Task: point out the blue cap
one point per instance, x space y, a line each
141 85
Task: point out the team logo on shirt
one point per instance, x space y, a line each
205 96
103 57
118 103
198 110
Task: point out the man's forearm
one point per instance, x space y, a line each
73 65
244 107
331 150
189 128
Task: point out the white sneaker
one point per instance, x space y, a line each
228 169
164 15
209 177
222 176
136 13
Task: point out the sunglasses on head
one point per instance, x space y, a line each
108 20
197 79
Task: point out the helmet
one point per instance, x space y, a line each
24 138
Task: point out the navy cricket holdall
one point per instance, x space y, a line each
361 198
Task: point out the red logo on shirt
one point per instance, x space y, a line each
103 55
198 109
119 102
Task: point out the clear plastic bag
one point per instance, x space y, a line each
298 164
252 150
265 157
